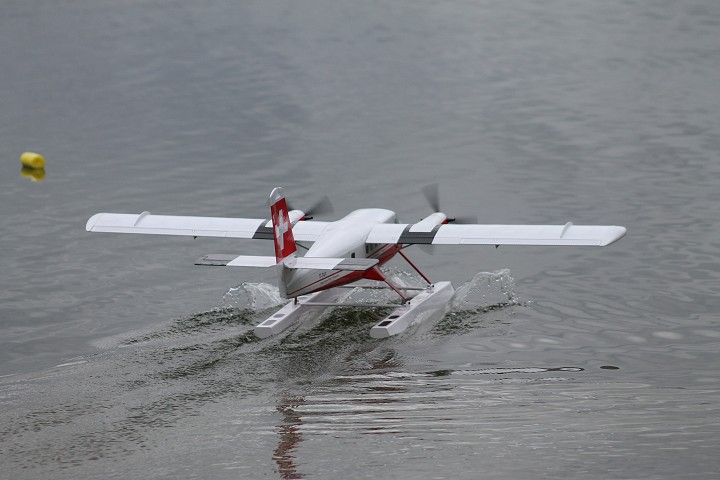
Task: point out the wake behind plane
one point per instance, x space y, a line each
347 253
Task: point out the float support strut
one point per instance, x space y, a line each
375 274
413 266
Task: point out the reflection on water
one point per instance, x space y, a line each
399 402
290 436
34 174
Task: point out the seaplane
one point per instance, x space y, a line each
348 253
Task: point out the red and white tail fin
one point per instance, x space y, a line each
282 227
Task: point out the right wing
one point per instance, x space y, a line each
568 234
148 224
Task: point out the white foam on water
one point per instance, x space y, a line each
486 289
253 296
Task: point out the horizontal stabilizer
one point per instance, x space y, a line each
224 260
311 263
319 263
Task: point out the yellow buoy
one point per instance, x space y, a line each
32 160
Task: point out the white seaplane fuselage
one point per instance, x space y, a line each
344 238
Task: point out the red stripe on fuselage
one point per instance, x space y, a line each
384 254
323 287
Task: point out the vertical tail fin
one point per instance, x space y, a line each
282 228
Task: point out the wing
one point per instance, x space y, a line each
568 234
148 224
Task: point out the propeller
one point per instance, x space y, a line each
432 196
321 207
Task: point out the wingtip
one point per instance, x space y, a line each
91 222
614 234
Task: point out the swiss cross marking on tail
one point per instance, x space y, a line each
282 228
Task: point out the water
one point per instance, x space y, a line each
119 358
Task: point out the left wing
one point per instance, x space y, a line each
568 234
146 223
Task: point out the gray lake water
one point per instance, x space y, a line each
120 359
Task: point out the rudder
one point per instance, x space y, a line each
282 227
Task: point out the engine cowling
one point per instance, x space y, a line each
296 216
431 221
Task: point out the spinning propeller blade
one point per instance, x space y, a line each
321 207
432 196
